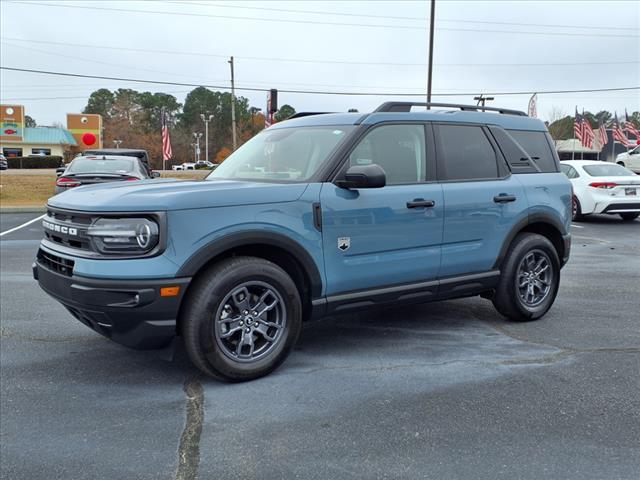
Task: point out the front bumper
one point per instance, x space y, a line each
129 312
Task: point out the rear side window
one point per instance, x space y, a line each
536 145
570 172
467 153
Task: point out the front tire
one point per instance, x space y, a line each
241 319
529 279
629 217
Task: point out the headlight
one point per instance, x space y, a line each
124 235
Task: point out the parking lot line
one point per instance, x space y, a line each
21 226
576 226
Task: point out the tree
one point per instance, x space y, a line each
29 122
285 112
100 102
151 107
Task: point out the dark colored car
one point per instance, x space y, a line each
3 162
90 170
140 154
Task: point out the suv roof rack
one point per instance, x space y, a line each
306 114
406 107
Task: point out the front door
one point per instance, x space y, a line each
391 235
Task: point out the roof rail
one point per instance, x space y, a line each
406 107
305 114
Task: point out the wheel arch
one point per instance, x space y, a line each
283 251
542 224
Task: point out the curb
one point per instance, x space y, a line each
23 209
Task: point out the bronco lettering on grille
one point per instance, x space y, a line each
54 227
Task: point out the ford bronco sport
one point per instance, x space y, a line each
317 215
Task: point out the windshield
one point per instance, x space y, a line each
607 171
286 154
115 166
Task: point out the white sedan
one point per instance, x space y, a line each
630 159
601 187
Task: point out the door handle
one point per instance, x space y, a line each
504 198
419 203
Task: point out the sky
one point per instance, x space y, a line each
495 47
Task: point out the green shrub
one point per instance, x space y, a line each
35 162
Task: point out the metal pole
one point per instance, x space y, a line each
573 145
206 140
233 107
430 73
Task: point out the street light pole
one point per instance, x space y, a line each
206 121
197 136
233 106
430 73
117 142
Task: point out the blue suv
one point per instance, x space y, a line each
318 215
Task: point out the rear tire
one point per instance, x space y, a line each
241 318
576 209
629 217
529 279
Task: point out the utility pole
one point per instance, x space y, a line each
206 121
233 106
430 73
482 99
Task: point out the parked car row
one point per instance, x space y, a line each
194 166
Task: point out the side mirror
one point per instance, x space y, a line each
363 176
155 174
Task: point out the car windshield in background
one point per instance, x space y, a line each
114 166
285 154
608 171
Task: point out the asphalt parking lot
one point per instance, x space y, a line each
447 390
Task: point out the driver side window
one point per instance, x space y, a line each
398 149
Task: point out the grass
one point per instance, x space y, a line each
32 188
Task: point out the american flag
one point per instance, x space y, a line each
630 127
618 133
588 135
577 126
166 140
603 134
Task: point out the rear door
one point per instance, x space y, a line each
482 199
385 236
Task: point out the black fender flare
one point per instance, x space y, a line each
529 220
228 242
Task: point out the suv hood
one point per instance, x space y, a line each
171 194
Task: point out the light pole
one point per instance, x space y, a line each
206 121
117 142
481 100
193 145
197 136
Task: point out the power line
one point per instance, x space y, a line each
392 17
301 60
313 22
314 92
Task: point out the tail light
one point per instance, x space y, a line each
67 182
606 185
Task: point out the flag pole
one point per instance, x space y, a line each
573 146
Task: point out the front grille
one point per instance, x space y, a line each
72 229
55 263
